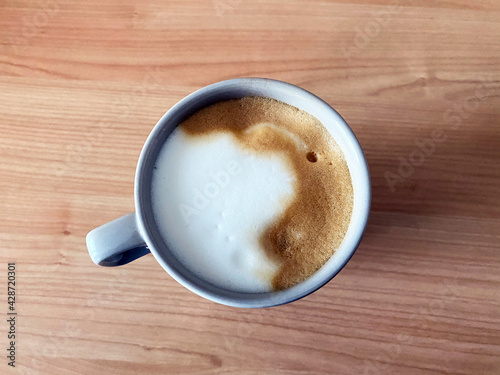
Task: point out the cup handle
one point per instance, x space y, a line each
117 242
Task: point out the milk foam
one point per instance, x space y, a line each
212 200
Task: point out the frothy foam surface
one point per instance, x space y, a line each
214 200
252 194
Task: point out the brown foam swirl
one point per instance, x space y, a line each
315 221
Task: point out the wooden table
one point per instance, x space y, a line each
83 83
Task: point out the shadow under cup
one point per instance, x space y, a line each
234 89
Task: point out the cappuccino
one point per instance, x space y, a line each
252 194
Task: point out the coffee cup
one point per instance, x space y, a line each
136 234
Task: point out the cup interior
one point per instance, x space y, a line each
234 89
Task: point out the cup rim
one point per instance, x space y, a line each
271 298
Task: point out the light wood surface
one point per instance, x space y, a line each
83 83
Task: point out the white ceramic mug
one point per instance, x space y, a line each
134 235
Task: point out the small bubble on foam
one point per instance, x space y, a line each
312 157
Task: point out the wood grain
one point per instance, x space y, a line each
421 295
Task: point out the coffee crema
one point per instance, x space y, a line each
313 212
